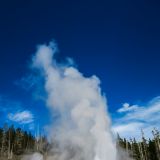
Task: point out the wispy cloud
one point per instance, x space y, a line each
28 82
8 105
22 117
126 107
133 118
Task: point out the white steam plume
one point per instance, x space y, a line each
82 131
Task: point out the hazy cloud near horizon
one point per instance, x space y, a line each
134 118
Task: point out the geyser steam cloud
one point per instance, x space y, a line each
82 131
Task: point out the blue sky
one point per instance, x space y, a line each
116 40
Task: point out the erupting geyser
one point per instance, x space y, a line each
82 129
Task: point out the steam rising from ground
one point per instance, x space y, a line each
35 156
82 129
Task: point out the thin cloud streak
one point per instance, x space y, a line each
126 107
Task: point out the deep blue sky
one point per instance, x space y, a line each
119 41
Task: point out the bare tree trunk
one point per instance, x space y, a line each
141 151
9 144
157 143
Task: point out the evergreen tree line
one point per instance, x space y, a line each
15 142
144 149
